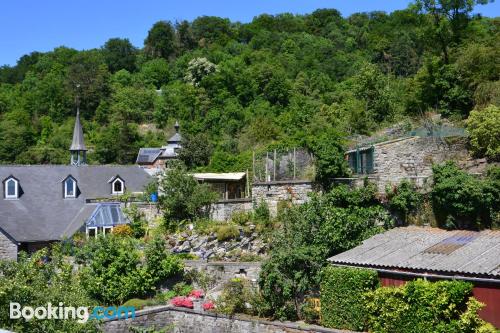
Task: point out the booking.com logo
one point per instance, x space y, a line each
81 314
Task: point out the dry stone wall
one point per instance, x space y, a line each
224 209
180 320
274 192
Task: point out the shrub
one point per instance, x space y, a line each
196 293
484 132
227 232
460 200
184 198
209 305
182 289
122 230
422 306
241 218
137 221
404 199
341 297
137 303
233 297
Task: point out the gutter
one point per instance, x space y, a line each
495 282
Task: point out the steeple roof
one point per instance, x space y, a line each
78 143
176 138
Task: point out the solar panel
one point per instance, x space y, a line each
452 243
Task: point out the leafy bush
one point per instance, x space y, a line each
122 230
183 197
138 223
241 218
35 281
404 199
425 307
462 201
137 303
310 233
227 232
182 289
484 132
234 297
113 270
342 292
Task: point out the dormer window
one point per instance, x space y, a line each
11 188
70 187
117 186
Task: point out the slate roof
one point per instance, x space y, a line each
432 250
148 155
41 213
78 142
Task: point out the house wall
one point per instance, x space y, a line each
409 158
8 249
182 320
274 192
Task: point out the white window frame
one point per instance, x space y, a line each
92 228
109 227
16 188
113 186
66 195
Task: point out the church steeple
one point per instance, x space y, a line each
78 149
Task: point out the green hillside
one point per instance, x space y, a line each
278 81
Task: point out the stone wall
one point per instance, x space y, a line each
8 249
224 209
274 192
224 271
180 320
409 158
412 158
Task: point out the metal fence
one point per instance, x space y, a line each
276 165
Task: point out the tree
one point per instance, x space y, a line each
160 42
185 36
484 132
183 198
449 20
155 72
328 152
196 150
461 201
119 54
310 233
211 29
198 68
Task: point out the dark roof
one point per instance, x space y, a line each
467 253
148 155
41 213
78 142
176 138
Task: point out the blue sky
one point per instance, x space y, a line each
41 25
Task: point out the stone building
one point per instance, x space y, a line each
156 159
41 204
389 162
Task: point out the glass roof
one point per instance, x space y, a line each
107 214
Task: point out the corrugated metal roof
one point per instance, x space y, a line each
220 176
429 249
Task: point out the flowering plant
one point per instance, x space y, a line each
208 306
182 301
196 293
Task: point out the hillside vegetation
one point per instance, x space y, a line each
277 81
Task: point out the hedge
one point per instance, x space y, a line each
342 292
421 306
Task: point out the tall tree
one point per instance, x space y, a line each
160 42
119 54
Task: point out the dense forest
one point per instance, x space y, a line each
279 81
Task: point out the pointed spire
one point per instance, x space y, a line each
176 126
78 142
78 149
176 138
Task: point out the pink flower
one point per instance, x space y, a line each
196 293
182 301
208 306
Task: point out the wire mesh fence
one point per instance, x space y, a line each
278 165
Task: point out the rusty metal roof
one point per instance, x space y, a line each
468 253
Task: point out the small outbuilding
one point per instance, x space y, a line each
408 253
229 185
